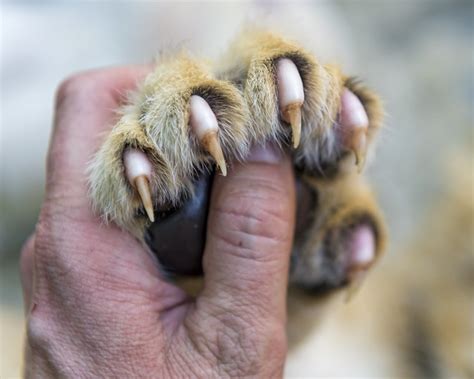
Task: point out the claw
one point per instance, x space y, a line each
138 170
210 141
362 256
354 125
204 123
359 148
143 187
293 114
290 96
354 287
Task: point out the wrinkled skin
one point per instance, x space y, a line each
96 302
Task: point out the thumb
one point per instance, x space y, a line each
250 234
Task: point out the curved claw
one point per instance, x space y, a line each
143 187
138 170
290 96
210 141
204 124
292 113
359 147
354 126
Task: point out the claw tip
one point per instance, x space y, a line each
354 287
143 188
292 115
223 169
212 145
360 151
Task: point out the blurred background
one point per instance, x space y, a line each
417 54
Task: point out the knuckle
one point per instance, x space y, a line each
69 88
53 256
75 87
39 330
26 255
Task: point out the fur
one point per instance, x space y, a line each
414 316
241 90
156 122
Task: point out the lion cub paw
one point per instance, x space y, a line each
180 122
326 116
340 234
152 174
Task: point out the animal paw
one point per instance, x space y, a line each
179 123
153 170
330 120
340 234
288 92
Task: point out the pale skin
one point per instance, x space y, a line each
95 301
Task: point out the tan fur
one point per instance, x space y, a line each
342 202
413 317
397 301
439 291
251 62
156 121
242 92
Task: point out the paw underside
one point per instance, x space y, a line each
189 120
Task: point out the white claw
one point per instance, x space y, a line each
362 247
352 111
204 124
138 170
290 96
354 123
362 256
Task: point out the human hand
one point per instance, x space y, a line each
97 304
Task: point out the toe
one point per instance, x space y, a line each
138 170
290 96
353 126
361 248
204 124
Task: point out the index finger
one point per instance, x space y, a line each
86 106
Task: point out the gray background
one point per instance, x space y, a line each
416 54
